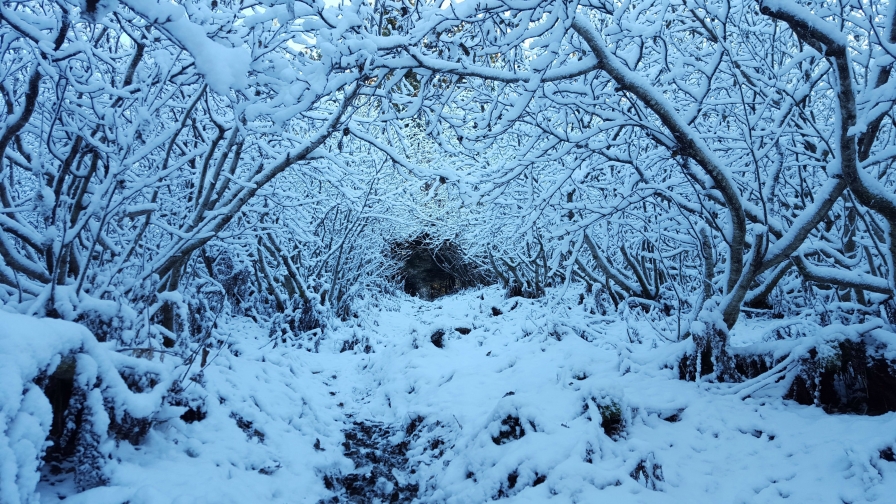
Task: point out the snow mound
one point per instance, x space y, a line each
28 347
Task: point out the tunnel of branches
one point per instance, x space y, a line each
434 268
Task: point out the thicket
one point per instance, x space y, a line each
163 165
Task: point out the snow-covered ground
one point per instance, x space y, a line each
525 400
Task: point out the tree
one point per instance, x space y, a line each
729 138
136 135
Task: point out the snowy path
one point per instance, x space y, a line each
512 409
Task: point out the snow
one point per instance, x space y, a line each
27 347
805 16
276 413
224 68
31 349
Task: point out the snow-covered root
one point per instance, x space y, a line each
99 397
843 369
